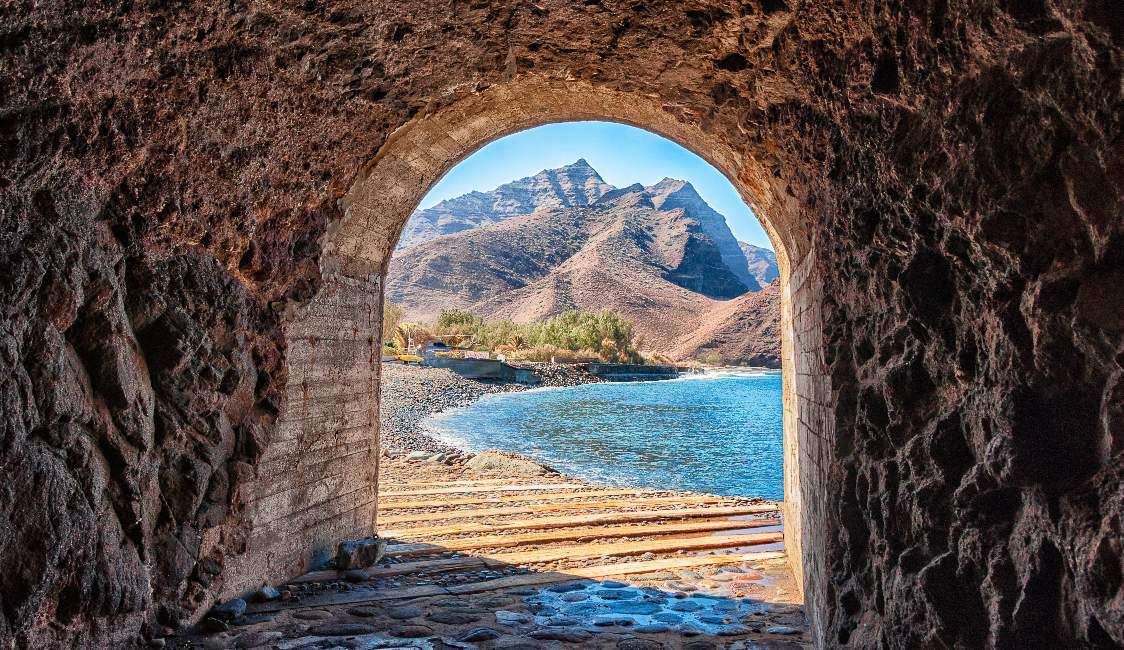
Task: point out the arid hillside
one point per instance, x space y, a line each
658 255
566 187
761 263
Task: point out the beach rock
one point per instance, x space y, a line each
266 594
344 629
450 617
412 632
566 587
608 620
585 609
782 629
230 610
359 553
504 617
568 635
257 639
254 619
479 634
403 613
652 628
211 625
507 463
685 606
634 608
364 612
733 630
642 644
617 594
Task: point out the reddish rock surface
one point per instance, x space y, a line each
167 173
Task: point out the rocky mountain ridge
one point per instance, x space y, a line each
573 185
761 263
658 254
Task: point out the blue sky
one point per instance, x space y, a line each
623 155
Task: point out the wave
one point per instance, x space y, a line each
725 373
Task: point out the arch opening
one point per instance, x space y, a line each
419 154
334 341
526 230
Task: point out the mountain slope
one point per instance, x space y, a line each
743 330
566 187
671 194
658 255
761 263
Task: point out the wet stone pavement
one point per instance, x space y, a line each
662 610
422 594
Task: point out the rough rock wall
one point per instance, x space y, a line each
168 172
971 250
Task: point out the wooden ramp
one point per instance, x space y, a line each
542 531
563 535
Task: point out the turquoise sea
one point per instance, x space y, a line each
717 432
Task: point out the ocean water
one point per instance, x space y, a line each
718 432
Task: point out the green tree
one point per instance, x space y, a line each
391 317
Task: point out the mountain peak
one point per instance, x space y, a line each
573 185
635 194
669 186
579 170
672 193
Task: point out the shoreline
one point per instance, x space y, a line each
411 394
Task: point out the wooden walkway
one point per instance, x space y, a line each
522 533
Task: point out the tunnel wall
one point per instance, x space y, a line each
174 189
807 446
318 480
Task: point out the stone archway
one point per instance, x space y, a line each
421 152
187 366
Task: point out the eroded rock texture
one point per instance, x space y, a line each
946 174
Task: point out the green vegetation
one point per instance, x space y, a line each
391 318
711 358
604 335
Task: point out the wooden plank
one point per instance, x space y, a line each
470 489
581 520
428 566
584 551
403 568
545 507
551 496
570 535
511 582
